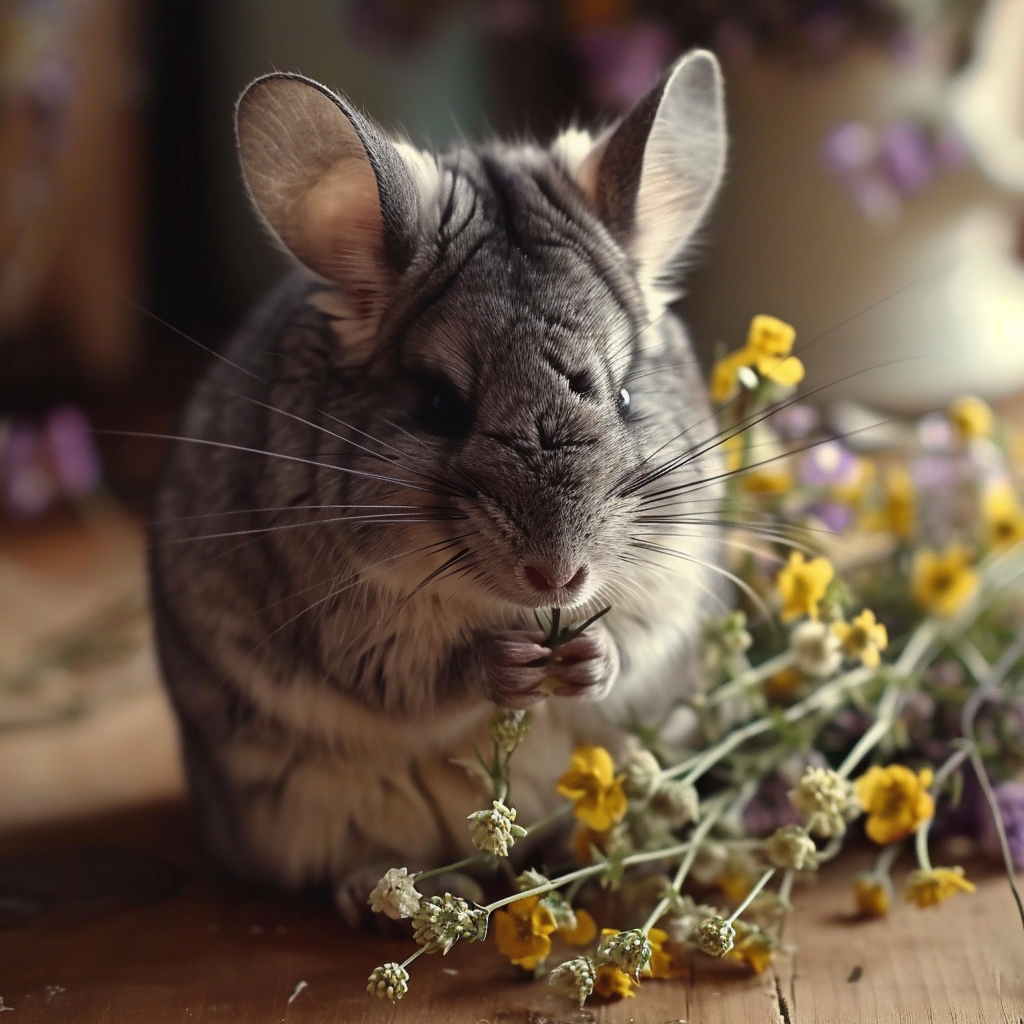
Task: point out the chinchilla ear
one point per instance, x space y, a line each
652 177
329 184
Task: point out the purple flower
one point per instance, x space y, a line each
907 156
835 516
1010 801
621 64
829 464
26 486
795 421
73 457
849 147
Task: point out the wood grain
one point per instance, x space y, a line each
117 919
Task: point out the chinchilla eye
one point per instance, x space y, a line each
441 410
623 402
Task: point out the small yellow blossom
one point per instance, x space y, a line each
593 787
772 479
872 894
753 947
667 959
583 933
725 377
585 841
863 638
802 584
784 685
1003 517
928 888
971 417
896 801
613 983
735 883
898 514
943 582
522 931
768 348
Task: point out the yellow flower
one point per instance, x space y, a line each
783 685
613 983
583 933
943 582
971 417
665 963
594 788
928 888
1003 517
873 895
725 377
802 584
769 343
752 947
768 348
735 883
898 514
521 931
863 638
895 800
768 480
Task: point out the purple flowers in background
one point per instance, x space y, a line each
882 169
43 463
1010 800
831 465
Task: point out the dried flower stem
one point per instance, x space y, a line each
700 833
752 895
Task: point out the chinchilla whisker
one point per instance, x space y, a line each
702 586
271 455
733 542
429 477
283 508
659 369
751 594
735 430
700 484
439 572
358 576
380 519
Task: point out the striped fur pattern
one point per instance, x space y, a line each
471 371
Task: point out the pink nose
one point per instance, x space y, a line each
545 578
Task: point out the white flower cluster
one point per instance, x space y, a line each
575 978
630 951
495 831
395 895
389 981
441 921
826 801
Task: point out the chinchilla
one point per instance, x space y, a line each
468 401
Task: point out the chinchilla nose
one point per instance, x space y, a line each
548 578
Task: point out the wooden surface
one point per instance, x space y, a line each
107 915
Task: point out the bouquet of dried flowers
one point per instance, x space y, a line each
870 677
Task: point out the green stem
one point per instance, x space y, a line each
887 708
465 862
419 952
761 883
700 833
750 678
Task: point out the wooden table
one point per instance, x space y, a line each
107 915
115 919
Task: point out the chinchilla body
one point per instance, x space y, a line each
468 403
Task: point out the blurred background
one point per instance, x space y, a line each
873 200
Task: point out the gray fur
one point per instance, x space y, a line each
339 592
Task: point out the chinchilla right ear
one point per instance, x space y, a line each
332 188
652 176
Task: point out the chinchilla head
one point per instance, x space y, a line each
507 396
